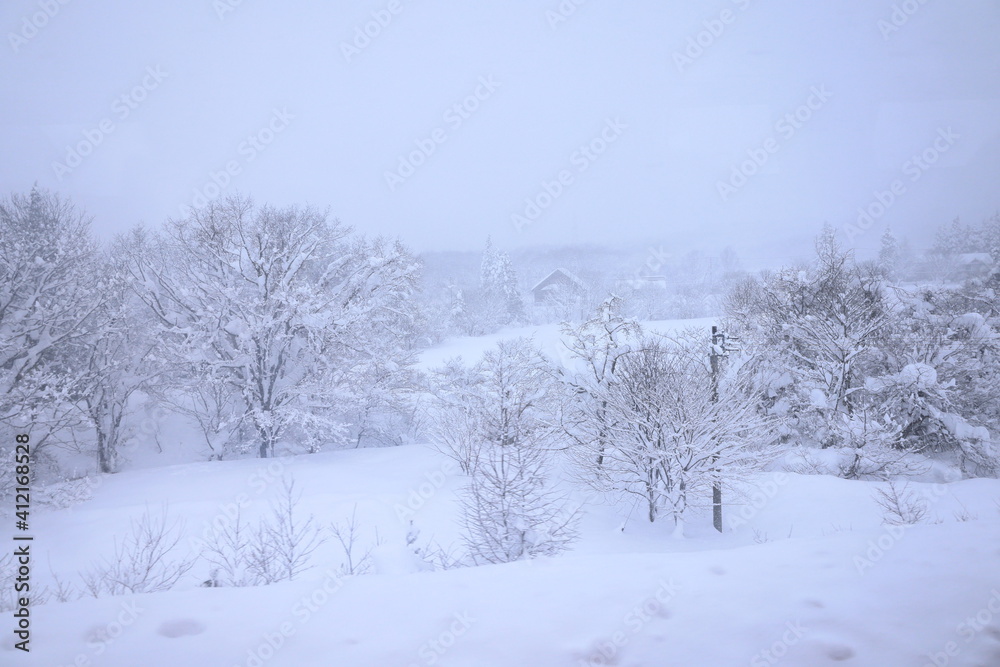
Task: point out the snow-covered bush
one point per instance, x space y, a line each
870 448
870 370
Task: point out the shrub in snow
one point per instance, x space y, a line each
900 506
60 495
508 511
870 448
278 547
143 560
346 535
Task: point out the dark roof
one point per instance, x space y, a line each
568 275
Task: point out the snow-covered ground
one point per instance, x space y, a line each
805 574
546 337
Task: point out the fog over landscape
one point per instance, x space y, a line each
539 333
692 105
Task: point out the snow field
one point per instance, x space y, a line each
842 589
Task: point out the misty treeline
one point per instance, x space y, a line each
277 331
258 325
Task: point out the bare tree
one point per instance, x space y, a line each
347 535
291 539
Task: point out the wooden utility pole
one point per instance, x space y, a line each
718 350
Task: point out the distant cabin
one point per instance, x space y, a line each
975 264
559 287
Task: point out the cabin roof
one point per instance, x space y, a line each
563 272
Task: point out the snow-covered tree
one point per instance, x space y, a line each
501 302
889 254
458 413
283 308
504 439
594 349
671 440
957 238
822 329
114 362
50 290
942 377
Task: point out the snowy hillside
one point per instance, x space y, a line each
808 576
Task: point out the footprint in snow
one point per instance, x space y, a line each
181 627
840 652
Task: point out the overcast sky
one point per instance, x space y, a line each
130 108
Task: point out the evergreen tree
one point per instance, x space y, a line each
501 300
888 254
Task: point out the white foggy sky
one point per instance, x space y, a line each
353 120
